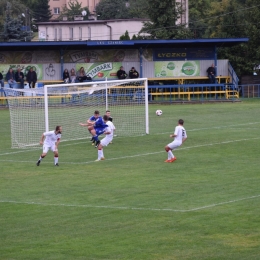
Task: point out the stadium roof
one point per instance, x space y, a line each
112 44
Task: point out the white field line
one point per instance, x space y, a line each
132 208
147 154
191 130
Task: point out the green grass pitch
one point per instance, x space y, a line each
205 205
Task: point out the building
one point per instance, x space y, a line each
80 30
56 6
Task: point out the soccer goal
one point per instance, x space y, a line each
34 111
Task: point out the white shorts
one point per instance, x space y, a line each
46 148
105 141
173 145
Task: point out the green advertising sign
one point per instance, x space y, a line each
176 68
100 70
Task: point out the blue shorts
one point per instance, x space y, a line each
100 130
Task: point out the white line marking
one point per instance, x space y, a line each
132 208
147 154
199 129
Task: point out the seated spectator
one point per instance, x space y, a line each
121 74
31 77
19 77
212 73
133 73
2 80
66 76
73 76
10 78
81 75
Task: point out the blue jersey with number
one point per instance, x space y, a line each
99 124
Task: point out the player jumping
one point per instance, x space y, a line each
96 126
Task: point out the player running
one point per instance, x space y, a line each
50 141
96 127
180 137
109 132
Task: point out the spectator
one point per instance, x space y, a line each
2 80
212 74
10 78
81 75
66 76
73 76
121 74
19 77
31 77
133 73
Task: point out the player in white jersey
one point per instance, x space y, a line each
180 137
50 141
109 132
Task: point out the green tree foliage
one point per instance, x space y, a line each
112 9
125 37
41 11
163 20
138 8
74 8
198 13
13 27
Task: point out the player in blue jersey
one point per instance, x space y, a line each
96 126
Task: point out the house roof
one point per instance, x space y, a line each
112 44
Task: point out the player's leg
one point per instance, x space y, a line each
104 142
168 148
56 155
45 150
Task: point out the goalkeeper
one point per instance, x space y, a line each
96 127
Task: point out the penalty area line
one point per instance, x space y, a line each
131 208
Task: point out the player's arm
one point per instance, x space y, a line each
172 136
42 139
184 139
57 143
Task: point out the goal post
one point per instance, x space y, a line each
34 111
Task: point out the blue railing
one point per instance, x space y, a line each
233 75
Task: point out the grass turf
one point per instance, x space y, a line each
205 205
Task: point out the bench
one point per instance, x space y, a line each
182 80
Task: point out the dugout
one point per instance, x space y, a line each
160 59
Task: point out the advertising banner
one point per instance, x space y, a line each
176 68
24 68
100 70
183 54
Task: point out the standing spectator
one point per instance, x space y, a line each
31 77
81 75
133 73
73 76
10 78
212 74
121 74
66 76
19 77
2 80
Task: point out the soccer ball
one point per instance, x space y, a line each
158 112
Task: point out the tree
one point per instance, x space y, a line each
13 27
41 11
138 8
74 8
163 20
198 21
125 37
112 9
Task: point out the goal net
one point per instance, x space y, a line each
34 111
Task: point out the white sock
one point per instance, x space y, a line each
170 155
100 152
56 160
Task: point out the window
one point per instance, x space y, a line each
55 34
56 10
80 33
60 34
71 33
